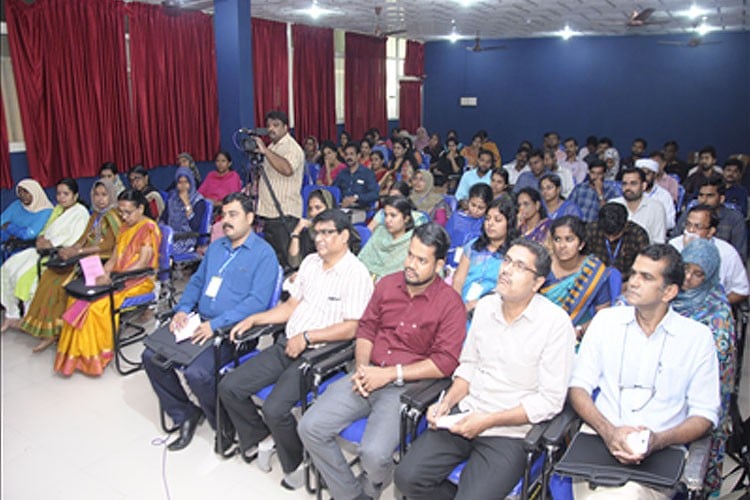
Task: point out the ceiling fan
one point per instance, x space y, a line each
477 47
638 19
379 30
692 42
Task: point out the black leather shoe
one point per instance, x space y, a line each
225 445
187 429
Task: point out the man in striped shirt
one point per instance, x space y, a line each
328 296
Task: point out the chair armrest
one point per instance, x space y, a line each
48 252
420 395
533 439
696 463
560 425
164 316
118 278
189 235
337 359
312 357
253 333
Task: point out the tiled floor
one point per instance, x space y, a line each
92 438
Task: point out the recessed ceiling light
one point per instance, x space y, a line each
704 29
315 11
567 33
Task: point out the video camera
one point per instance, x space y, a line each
247 139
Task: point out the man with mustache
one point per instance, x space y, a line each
236 278
644 211
412 329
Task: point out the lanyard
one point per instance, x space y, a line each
612 256
232 255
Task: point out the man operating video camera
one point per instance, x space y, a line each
280 207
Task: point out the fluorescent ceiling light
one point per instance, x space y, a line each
704 29
694 12
315 11
567 33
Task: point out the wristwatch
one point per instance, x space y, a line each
399 382
307 338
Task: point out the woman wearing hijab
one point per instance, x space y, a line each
611 158
25 217
184 159
44 317
422 140
426 199
18 275
185 209
703 299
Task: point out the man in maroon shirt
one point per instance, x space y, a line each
413 329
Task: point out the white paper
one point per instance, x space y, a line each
638 441
448 421
193 322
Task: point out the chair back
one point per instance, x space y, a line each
336 192
205 227
364 233
452 202
166 250
462 227
680 197
615 284
276 296
425 161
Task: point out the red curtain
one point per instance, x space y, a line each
69 60
314 82
6 179
414 62
270 68
175 99
364 90
410 105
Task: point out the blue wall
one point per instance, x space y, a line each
621 87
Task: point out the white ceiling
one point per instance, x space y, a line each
431 19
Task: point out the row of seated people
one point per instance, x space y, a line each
411 326
133 211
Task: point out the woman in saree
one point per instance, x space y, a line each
44 317
86 341
426 199
578 282
25 217
480 261
18 275
185 209
703 299
550 186
386 249
533 222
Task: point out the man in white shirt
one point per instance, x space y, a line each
654 191
578 168
512 373
702 221
517 166
656 371
647 213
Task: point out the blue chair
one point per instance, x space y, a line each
364 233
452 202
132 306
425 161
676 177
461 228
615 284
383 149
414 404
202 237
336 192
680 197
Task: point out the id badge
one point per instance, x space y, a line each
213 287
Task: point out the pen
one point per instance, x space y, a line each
440 400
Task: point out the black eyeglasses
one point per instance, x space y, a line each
636 387
517 265
322 232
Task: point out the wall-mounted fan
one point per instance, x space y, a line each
477 47
692 42
643 18
378 31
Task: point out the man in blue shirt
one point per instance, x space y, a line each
359 188
236 278
592 195
735 193
538 170
482 173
